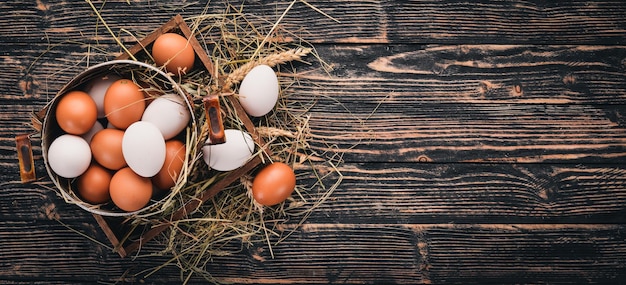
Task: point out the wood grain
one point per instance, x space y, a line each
484 73
493 104
462 73
476 133
361 253
413 193
423 22
501 74
471 193
535 22
483 142
48 251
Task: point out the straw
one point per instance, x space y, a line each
236 42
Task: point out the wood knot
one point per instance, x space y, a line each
28 86
257 254
50 211
547 191
424 158
42 6
485 86
569 79
517 90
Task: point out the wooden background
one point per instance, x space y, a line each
485 143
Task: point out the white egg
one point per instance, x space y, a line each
69 156
96 128
143 148
97 87
169 113
258 91
232 154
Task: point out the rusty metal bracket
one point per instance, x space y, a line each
25 158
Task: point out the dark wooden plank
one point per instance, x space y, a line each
46 282
490 253
471 103
424 22
412 193
475 193
526 253
535 22
502 74
484 73
48 251
518 104
36 201
350 254
507 133
422 121
361 21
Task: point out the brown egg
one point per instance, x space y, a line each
173 51
106 148
129 191
124 103
174 159
273 184
76 112
93 185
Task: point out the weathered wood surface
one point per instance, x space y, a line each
352 253
446 103
427 193
391 21
484 143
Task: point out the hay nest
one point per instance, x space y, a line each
236 42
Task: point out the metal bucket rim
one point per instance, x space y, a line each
76 81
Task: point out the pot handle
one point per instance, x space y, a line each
24 147
25 158
214 119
